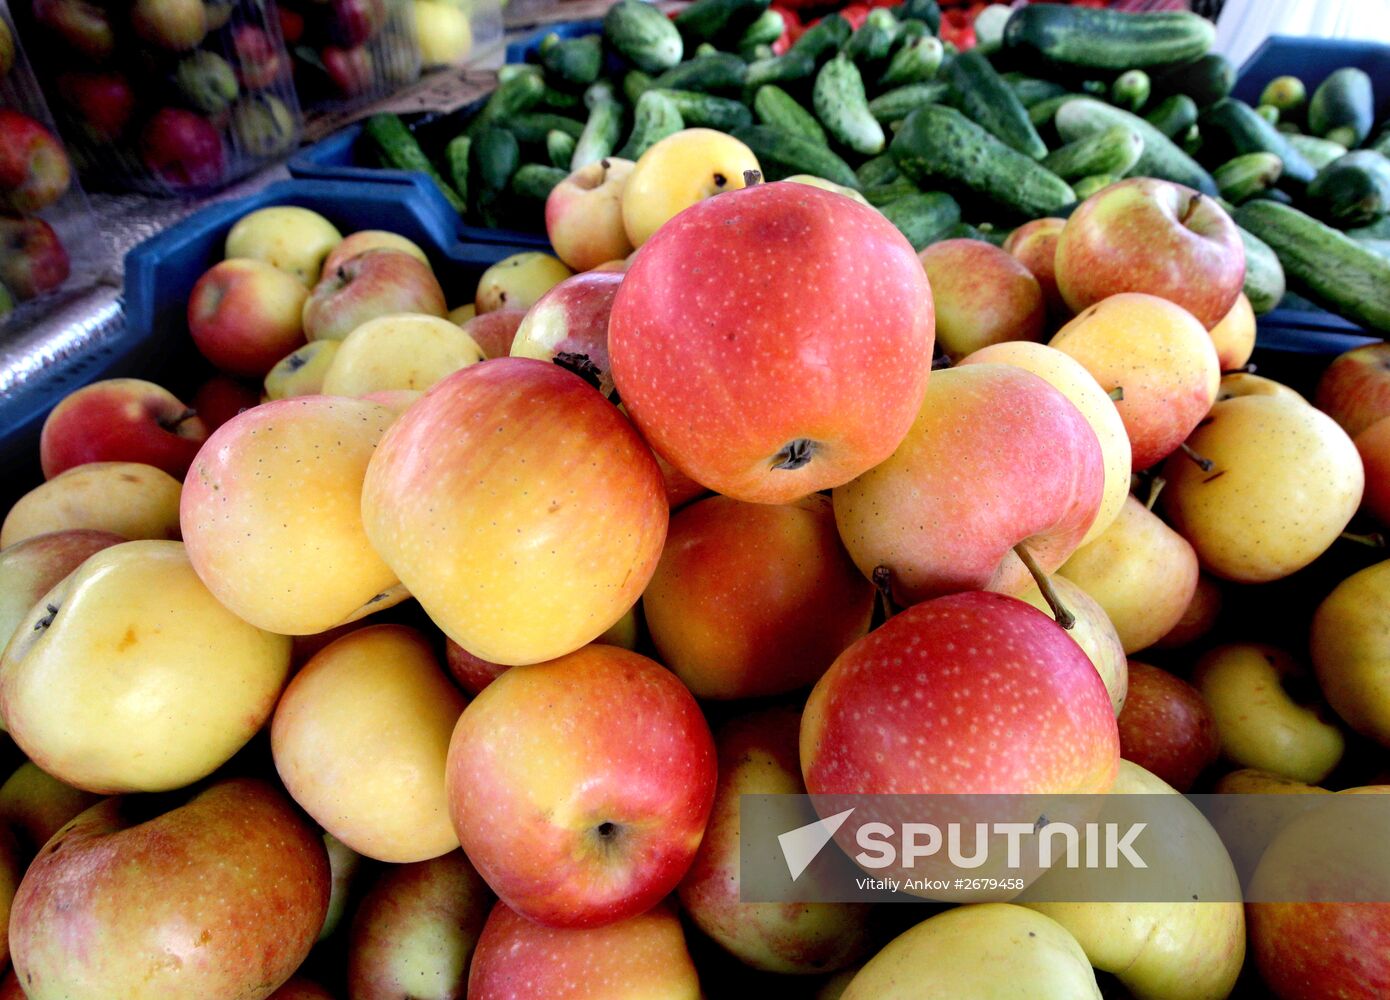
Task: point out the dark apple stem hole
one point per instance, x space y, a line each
182 418
796 454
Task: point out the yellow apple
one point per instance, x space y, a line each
1350 652
445 36
826 185
125 498
584 214
676 172
1252 781
463 313
35 805
1247 384
1234 336
400 351
518 281
371 239
302 371
1093 632
293 239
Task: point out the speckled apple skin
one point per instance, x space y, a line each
1166 727
768 315
572 318
1355 388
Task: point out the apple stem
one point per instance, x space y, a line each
1117 393
1372 539
1205 464
752 178
1059 610
581 365
182 418
882 578
47 619
1191 207
1155 488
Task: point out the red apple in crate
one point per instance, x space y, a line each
31 568
580 787
351 70
103 101
774 341
584 215
1152 236
32 258
355 22
519 507
245 315
182 149
1355 389
374 283
495 331
258 57
997 458
160 900
1166 727
121 420
34 168
82 25
569 326
1034 244
983 296
221 398
644 956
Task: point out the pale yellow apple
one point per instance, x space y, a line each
1234 336
360 740
293 239
399 351
826 185
1252 781
1248 384
463 313
1093 632
302 371
1069 377
518 281
676 172
35 805
982 951
584 214
1350 651
272 514
343 864
371 239
443 31
1248 688
125 498
140 680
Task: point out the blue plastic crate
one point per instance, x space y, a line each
524 49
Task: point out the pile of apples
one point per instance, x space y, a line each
34 174
485 576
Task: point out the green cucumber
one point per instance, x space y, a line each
559 146
781 154
1205 80
1323 265
635 84
1161 158
1318 152
655 117
909 29
990 102
559 100
873 39
1343 106
1087 186
535 180
1174 115
843 108
575 61
600 134
643 36
787 68
824 38
1286 93
1233 127
1113 150
534 126
1247 175
1352 191
756 53
926 11
1274 194
456 161
1381 142
512 70
769 27
704 49
881 194
400 150
716 73
923 217
518 94
989 25
599 92
708 111
915 61
1264 275
937 143
1042 113
775 107
716 20
493 157
1089 38
879 170
895 105
1269 113
1130 90
1030 90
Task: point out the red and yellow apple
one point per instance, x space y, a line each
983 296
584 214
374 283
569 326
245 315
121 420
129 499
1166 727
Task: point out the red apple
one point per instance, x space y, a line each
1373 444
103 101
81 24
182 148
494 331
9 987
245 315
1166 727
983 296
1153 236
355 22
1355 389
774 341
584 215
580 787
374 283
997 458
351 70
31 568
121 420
680 488
472 673
569 326
291 25
124 901
221 398
34 168
1034 244
32 258
258 57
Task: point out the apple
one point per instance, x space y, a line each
1234 336
32 257
374 283
81 24
1235 384
399 351
983 296
272 515
1349 655
12 864
445 36
679 171
125 498
374 705
262 126
473 673
6 49
1034 244
258 57
1283 482
351 70
177 25
416 928
1252 781
642 956
1157 357
495 331
104 101
395 400
997 458
584 214
10 988
1373 445
34 168
982 951
1198 619
244 316
754 599
518 507
207 81
291 25
291 238
728 373
355 22
106 684
221 398
343 864
1166 727
1152 236
462 314
1093 632
219 12
518 281
182 149
302 371
758 756
34 806
162 899
1355 388
580 788
371 239
1267 711
31 568
569 325
298 989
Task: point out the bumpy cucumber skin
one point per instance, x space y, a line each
1205 80
1318 152
882 194
1247 175
718 73
1343 107
643 36
1113 150
896 104
600 134
879 170
990 102
559 146
843 108
786 68
456 159
399 149
824 38
535 180
915 61
1264 275
533 126
655 117
576 61
1174 115
708 111
1030 90
783 155
775 107
923 218
494 157
715 20
1088 38
1244 131
1352 191
1161 157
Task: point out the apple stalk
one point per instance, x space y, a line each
1059 610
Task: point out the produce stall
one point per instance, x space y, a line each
615 506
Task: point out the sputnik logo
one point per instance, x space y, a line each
800 846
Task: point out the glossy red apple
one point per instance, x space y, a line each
494 331
1034 244
374 283
1166 727
121 420
774 341
182 148
221 398
34 168
245 315
569 326
32 257
1355 388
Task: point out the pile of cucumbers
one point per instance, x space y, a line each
1054 103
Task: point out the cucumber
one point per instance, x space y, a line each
926 11
1274 194
874 39
1089 38
1269 113
895 105
923 217
824 38
1174 115
1205 80
399 149
1030 90
1325 266
937 143
711 74
704 49
708 111
535 180
1247 175
575 61
1113 150
520 93
1352 191
1130 90
915 61
643 36
1343 106
1381 142
493 157
1042 113
879 170
655 117
718 20
1088 186
599 92
1286 93
635 84
559 146
769 26
600 134
1161 158
881 194
534 126
456 161
786 68
783 155
989 28
1318 152
511 70
559 100
990 102
1264 275
843 108
1233 127
778 109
